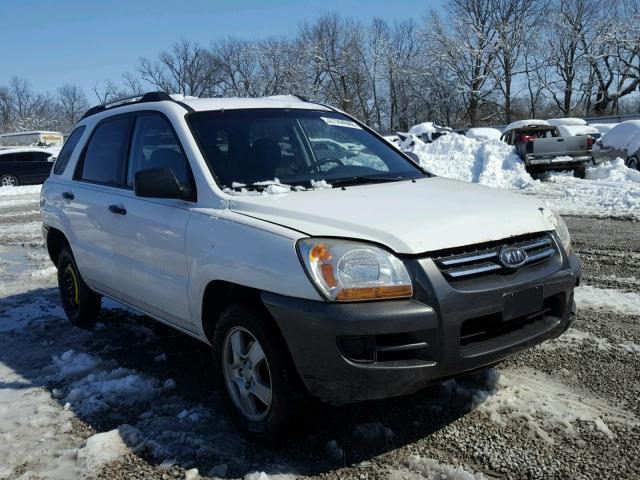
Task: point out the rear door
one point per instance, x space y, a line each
32 167
149 236
98 185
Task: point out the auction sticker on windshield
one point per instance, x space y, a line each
336 122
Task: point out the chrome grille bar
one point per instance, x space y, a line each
474 261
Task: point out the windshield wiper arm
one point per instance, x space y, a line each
364 179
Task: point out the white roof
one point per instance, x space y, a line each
526 123
280 101
567 121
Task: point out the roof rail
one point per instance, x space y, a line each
142 98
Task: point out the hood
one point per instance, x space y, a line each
407 217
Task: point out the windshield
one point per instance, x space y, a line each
296 147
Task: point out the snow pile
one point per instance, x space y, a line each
492 163
101 385
109 446
577 338
624 136
607 299
615 171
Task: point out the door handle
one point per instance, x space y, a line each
68 195
117 210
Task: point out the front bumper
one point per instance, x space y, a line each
321 336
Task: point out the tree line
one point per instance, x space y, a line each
476 62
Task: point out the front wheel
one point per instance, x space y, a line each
634 163
80 303
260 386
8 180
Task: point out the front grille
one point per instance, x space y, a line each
483 259
488 327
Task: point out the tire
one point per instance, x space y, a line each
580 172
9 180
244 327
80 303
633 162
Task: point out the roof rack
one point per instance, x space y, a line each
142 98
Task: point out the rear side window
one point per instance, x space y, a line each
154 145
32 157
67 150
105 156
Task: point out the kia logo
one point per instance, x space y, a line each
513 257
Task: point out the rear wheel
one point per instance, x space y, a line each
80 303
633 162
9 180
260 387
580 172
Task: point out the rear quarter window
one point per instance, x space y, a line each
67 150
105 157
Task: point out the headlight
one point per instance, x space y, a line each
562 231
345 271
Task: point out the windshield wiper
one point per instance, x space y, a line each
364 179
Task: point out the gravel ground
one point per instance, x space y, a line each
505 422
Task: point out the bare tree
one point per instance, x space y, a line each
72 103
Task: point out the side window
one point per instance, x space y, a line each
105 157
67 150
7 157
32 157
155 145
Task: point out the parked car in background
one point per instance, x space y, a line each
603 127
483 133
622 141
542 148
24 166
40 138
573 127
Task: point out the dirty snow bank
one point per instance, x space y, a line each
21 190
544 403
607 299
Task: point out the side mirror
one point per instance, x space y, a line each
159 183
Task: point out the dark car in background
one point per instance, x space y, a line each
24 166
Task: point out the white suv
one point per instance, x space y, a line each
346 273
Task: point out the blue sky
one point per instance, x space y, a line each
84 42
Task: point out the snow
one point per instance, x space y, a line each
484 133
568 121
624 136
576 130
109 446
603 127
609 190
422 129
20 190
544 403
525 123
431 469
608 299
492 163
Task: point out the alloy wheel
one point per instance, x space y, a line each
246 374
